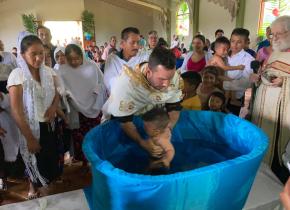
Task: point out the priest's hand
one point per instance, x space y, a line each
255 78
277 82
153 149
33 145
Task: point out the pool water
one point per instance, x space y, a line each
188 156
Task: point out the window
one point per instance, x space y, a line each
270 9
182 19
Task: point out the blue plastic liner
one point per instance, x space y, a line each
221 186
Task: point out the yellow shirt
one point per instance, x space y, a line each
192 103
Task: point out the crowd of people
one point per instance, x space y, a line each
50 97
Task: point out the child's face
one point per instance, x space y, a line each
208 79
188 88
60 57
237 43
222 50
215 103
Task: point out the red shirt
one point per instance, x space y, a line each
196 66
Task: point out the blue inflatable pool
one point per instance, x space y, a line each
223 183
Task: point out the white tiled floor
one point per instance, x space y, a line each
263 196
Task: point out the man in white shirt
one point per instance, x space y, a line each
112 44
129 55
7 64
237 57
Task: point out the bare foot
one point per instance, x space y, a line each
33 192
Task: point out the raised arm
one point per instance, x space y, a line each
221 63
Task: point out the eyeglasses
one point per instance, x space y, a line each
278 35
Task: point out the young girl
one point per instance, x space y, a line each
208 85
217 102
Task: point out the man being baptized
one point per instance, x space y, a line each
156 123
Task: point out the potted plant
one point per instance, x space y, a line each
29 22
88 24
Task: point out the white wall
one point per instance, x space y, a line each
251 20
111 20
11 22
213 17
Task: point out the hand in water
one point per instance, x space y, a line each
161 163
154 150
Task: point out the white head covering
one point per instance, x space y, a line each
62 49
85 86
30 104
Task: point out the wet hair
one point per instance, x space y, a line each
158 116
219 31
199 36
125 33
152 32
214 70
192 78
222 40
28 41
161 42
73 48
241 32
162 56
